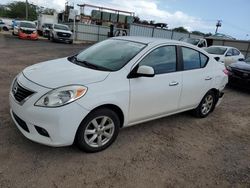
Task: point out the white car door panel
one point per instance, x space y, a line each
158 95
150 97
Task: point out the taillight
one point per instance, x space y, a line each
226 72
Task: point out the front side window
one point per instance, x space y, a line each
193 59
229 52
162 60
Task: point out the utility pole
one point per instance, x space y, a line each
218 24
26 10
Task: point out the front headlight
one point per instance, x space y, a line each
61 96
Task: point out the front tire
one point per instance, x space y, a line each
98 130
206 105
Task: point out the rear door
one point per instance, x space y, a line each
197 77
155 96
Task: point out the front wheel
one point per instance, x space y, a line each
206 105
98 130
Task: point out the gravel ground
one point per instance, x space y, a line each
176 151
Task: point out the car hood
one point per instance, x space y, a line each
62 31
61 72
241 65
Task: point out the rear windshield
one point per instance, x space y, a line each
27 24
61 27
216 50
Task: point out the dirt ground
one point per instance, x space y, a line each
176 151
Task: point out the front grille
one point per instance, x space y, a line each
242 74
19 92
65 35
27 31
21 123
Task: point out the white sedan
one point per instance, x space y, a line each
225 54
86 98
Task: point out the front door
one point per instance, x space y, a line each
159 95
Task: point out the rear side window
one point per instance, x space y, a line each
236 52
193 59
162 60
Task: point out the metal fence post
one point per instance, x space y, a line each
153 32
172 34
98 33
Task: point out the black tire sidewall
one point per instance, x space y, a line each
199 108
79 140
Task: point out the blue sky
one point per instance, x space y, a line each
199 15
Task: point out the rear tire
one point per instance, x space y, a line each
98 130
206 105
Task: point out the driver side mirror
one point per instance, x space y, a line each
145 71
229 54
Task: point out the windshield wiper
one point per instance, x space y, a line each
88 64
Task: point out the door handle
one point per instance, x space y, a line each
208 78
173 83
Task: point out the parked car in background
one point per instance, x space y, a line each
200 42
239 73
27 30
16 27
4 26
123 81
225 54
60 32
46 29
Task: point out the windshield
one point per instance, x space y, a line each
27 24
110 54
61 27
191 41
216 50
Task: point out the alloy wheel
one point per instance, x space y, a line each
99 131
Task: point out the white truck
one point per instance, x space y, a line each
44 20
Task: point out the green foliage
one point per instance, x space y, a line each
17 9
180 29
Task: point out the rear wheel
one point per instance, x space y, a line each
98 130
206 105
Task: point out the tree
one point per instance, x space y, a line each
198 33
180 29
17 10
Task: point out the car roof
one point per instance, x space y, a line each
148 40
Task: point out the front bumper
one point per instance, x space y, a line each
32 36
60 123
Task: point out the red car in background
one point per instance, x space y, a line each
27 30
